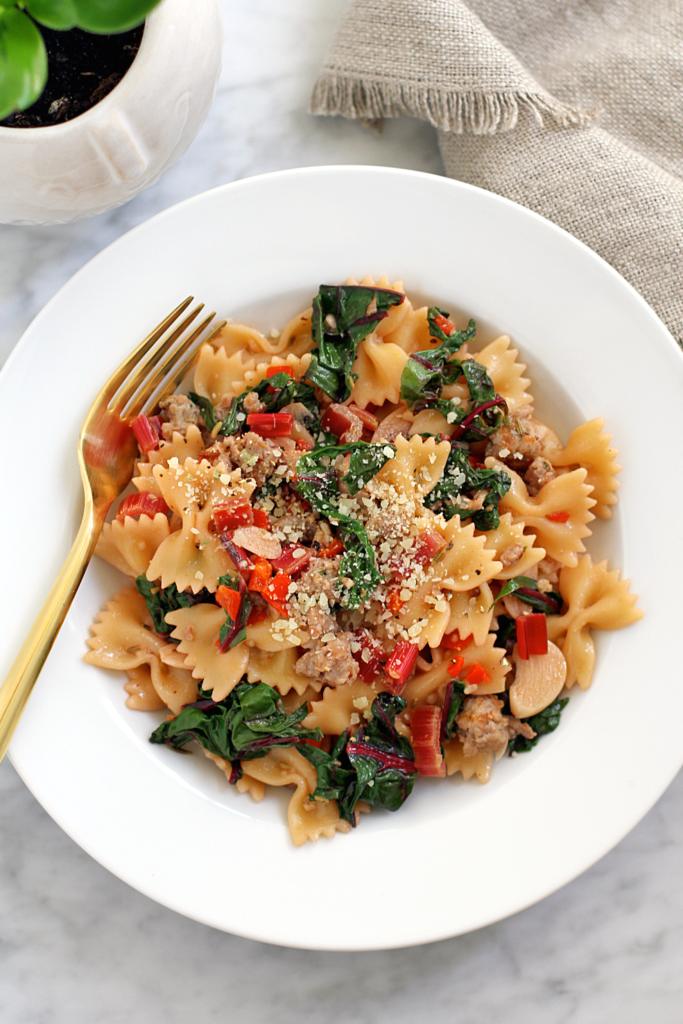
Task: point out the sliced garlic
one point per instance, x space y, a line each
538 681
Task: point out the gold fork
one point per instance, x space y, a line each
107 453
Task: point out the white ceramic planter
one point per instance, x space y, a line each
122 145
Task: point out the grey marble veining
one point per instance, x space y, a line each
77 946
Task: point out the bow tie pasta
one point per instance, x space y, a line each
358 558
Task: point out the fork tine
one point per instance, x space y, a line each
136 379
182 369
148 395
118 378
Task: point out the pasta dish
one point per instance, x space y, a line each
358 558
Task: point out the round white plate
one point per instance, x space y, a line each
458 855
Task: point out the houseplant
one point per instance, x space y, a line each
106 155
23 56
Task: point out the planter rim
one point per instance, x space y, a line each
141 59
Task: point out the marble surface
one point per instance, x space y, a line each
77 946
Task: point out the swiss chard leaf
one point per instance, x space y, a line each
427 373
455 694
245 725
340 322
317 483
505 634
160 601
527 591
544 722
207 410
377 765
461 478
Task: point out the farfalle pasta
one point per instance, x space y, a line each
353 545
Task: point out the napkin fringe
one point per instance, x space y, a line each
475 112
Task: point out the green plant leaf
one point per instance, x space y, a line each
59 14
23 61
104 16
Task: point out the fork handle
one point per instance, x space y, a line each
17 687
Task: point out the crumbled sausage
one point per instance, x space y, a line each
320 622
549 569
331 661
511 554
256 456
178 412
482 727
252 403
517 445
319 578
539 473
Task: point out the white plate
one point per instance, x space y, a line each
457 856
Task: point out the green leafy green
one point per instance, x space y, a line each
377 765
340 322
427 373
160 601
23 61
245 725
506 630
455 694
544 722
317 483
527 591
455 339
460 477
207 410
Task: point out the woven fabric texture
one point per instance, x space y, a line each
572 108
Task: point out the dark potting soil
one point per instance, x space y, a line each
82 69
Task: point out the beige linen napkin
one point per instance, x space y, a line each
573 108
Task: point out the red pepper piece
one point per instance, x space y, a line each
276 593
446 326
273 370
452 641
400 665
370 666
230 515
532 635
475 463
335 548
261 518
145 433
342 422
143 504
477 674
428 545
229 599
271 424
425 726
260 576
293 558
256 615
559 517
455 667
394 602
365 416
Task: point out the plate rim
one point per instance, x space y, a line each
331 170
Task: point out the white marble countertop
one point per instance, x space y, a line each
77 946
